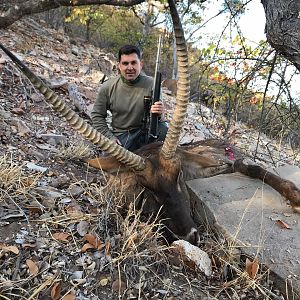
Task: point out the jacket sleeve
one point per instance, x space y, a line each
99 113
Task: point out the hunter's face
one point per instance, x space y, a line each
130 66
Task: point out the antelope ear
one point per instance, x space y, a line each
196 165
204 160
107 164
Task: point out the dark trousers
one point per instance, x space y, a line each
135 138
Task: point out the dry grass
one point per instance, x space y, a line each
76 150
13 180
134 262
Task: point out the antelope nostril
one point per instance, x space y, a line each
196 238
193 237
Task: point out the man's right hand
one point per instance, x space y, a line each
158 108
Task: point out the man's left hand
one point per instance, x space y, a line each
158 108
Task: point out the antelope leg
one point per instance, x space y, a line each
285 187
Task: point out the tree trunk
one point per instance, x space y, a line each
283 27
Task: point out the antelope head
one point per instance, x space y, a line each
160 170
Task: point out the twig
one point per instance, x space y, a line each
41 287
268 292
20 209
264 102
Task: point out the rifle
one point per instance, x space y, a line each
152 133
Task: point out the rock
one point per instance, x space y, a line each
32 166
38 155
189 138
41 118
84 69
60 181
5 114
75 50
194 255
56 82
83 227
246 211
48 192
75 190
55 139
22 128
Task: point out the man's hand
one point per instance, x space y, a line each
158 108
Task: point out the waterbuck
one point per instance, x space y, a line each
163 168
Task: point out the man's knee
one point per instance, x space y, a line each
131 140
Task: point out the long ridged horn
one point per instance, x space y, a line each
183 87
121 154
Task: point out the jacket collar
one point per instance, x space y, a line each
131 82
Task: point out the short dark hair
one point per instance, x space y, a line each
129 49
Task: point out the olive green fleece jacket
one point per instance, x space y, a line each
125 101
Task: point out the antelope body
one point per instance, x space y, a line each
162 168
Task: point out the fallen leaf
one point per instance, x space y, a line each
51 174
107 248
74 211
96 243
282 224
252 268
33 268
12 249
29 245
61 236
34 210
55 291
104 281
87 246
18 111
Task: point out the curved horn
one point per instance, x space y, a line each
183 87
121 154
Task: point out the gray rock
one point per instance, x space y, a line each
75 190
32 166
55 139
246 211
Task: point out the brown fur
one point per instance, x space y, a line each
165 178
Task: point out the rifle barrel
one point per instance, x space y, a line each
154 118
157 63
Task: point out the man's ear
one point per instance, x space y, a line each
142 63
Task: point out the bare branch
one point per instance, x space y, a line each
12 11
